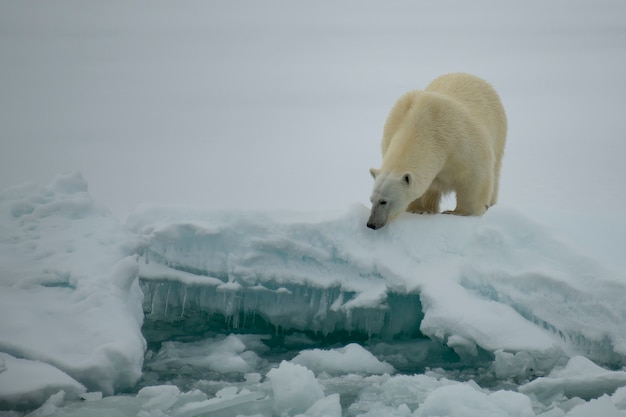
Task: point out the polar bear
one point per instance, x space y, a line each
447 138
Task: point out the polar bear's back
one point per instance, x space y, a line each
478 97
481 101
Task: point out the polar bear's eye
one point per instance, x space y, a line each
382 202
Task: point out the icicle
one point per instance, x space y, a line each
167 299
153 295
182 313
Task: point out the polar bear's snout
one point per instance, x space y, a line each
378 217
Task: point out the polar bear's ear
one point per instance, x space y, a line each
406 179
374 172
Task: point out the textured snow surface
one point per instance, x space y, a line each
500 282
259 313
69 294
24 382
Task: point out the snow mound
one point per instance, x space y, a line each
24 382
501 282
69 295
349 359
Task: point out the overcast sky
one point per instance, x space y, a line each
270 105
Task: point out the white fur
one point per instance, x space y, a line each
449 137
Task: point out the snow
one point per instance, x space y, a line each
237 305
580 378
69 291
466 401
25 382
600 407
325 407
496 283
352 358
262 293
160 397
294 398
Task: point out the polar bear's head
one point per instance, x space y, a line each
391 196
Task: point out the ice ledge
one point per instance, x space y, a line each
273 308
501 282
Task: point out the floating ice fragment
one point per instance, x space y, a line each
579 378
160 397
230 404
619 398
325 407
524 364
601 407
555 412
352 358
221 354
24 382
464 400
295 388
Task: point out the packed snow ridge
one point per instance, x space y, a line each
72 305
69 298
496 283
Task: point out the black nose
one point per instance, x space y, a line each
371 225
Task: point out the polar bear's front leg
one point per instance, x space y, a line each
426 204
